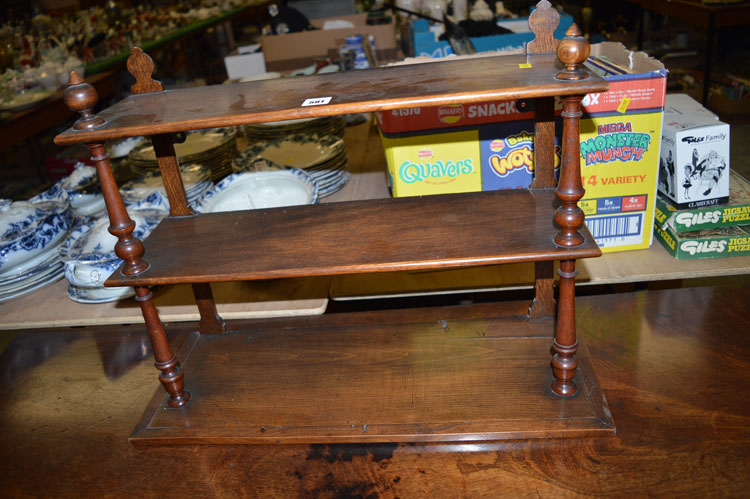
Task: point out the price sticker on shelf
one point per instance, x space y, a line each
316 101
525 65
624 103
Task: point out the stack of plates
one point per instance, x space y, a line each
322 157
31 234
330 125
214 149
195 179
89 256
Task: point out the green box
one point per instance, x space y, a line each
709 243
715 237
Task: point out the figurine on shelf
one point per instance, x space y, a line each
480 11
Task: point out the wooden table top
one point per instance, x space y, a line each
673 366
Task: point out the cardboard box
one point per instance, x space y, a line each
426 44
620 139
244 62
694 163
685 104
735 212
494 138
296 50
713 242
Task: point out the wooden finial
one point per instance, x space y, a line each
573 51
82 97
543 23
141 67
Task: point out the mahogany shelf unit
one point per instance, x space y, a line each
542 224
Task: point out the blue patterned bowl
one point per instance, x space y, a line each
31 228
88 252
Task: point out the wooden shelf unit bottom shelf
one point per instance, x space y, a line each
413 233
454 380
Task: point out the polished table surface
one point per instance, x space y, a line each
673 365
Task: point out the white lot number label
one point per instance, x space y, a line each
316 101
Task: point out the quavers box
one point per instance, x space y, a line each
714 242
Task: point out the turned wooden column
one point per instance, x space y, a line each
572 51
81 97
141 67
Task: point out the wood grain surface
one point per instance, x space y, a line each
454 380
411 233
433 84
673 366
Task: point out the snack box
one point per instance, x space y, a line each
459 148
711 242
620 139
694 162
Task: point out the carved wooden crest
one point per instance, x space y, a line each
543 23
141 67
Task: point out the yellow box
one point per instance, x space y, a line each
439 163
619 158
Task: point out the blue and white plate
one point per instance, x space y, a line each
30 230
262 189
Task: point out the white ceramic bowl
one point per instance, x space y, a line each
265 189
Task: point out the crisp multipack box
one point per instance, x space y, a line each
620 139
694 163
459 147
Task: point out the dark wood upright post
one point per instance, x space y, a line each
81 97
141 67
543 22
572 51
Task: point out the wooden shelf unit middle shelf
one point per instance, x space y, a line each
430 232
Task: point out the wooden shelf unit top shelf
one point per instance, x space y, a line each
415 233
393 87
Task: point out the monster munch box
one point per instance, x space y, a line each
620 139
